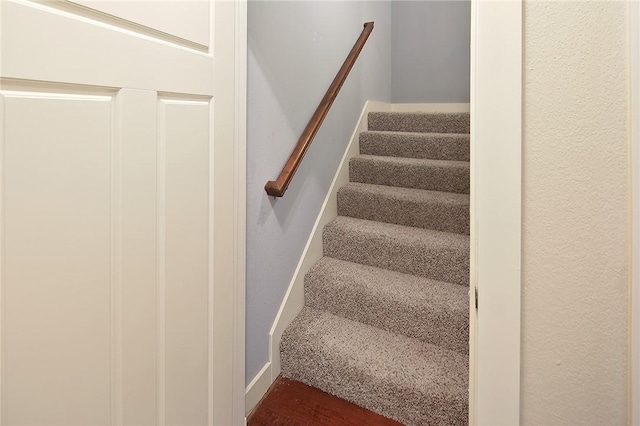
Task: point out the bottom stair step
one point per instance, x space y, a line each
397 376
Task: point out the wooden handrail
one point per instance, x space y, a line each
277 188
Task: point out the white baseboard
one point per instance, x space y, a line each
430 107
294 297
257 388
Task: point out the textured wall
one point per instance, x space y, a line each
295 50
430 47
575 214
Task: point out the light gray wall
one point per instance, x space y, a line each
430 45
295 50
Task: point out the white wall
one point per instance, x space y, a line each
295 50
430 43
575 214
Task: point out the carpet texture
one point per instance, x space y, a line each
436 175
432 254
420 122
386 321
399 377
441 211
435 146
432 311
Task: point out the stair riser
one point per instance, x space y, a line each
412 145
447 217
419 122
442 263
352 296
414 175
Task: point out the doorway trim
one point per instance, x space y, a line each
230 41
496 218
240 207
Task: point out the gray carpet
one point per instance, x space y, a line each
391 301
440 211
438 255
436 175
435 146
420 122
386 318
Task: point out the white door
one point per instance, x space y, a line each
108 288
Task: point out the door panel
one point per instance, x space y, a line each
185 258
106 290
95 52
56 263
194 25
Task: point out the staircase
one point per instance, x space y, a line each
385 323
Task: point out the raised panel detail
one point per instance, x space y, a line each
40 42
57 272
185 19
184 186
106 214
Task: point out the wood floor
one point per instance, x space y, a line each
290 403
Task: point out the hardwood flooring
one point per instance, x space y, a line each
291 403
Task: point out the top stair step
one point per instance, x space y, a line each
423 122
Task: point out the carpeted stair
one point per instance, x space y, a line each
385 323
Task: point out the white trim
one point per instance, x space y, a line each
2 251
473 314
240 208
294 298
496 182
257 388
230 46
635 212
430 107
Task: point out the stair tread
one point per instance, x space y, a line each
433 311
443 256
397 376
423 122
438 146
442 211
422 135
408 233
413 194
437 175
428 162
